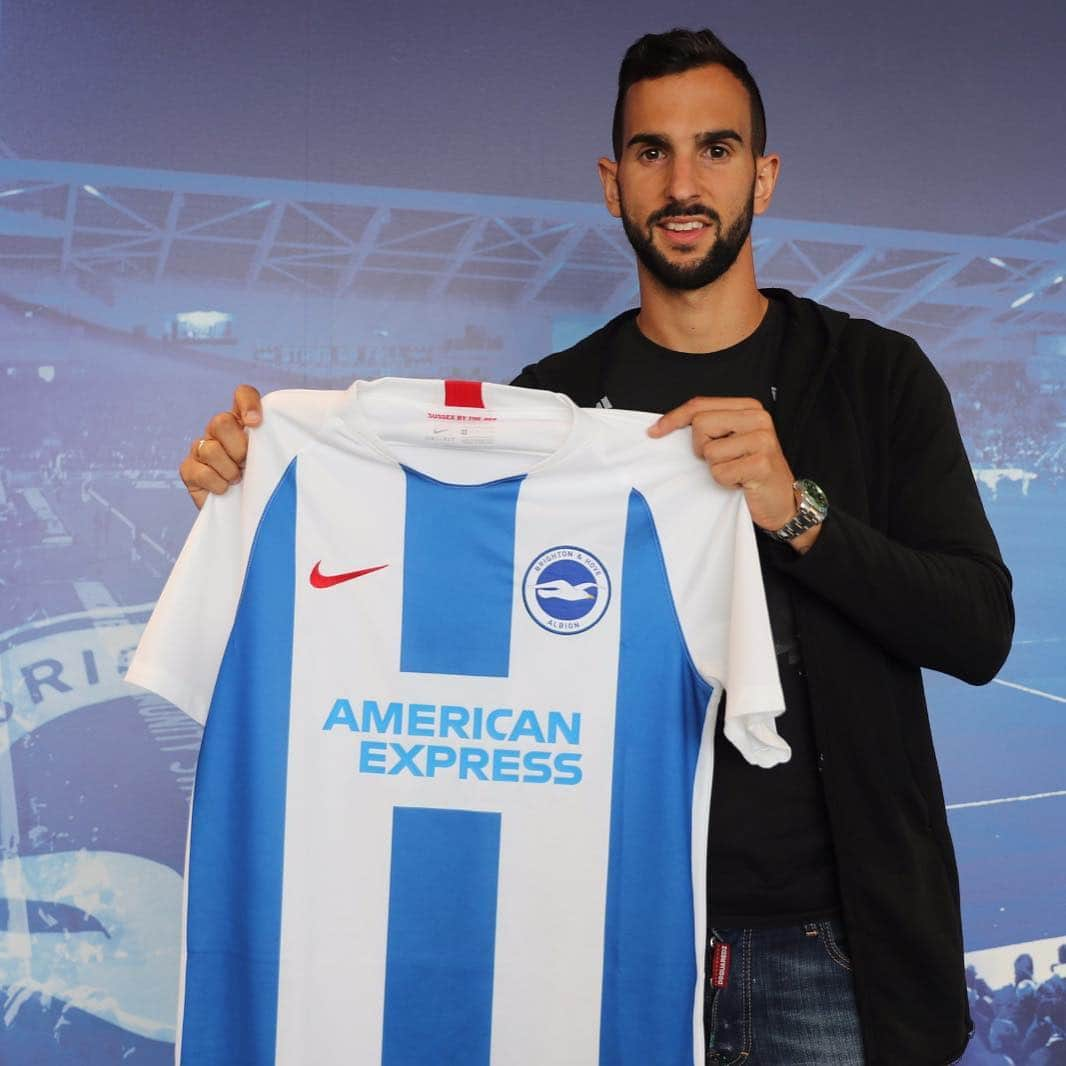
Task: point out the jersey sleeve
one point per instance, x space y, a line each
712 565
181 650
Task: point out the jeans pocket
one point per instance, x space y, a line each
834 939
727 1016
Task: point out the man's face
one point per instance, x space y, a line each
685 271
687 186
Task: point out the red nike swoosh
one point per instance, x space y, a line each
325 581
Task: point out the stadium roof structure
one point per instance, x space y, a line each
565 257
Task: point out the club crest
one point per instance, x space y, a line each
566 590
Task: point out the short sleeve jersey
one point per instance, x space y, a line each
459 668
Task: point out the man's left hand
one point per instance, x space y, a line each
736 438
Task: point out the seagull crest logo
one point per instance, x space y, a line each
566 589
560 589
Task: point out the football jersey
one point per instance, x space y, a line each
459 669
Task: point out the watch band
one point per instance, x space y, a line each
811 509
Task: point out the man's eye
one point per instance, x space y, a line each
652 154
718 151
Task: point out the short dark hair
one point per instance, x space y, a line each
658 54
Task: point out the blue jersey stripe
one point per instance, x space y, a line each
458 577
238 824
441 937
649 966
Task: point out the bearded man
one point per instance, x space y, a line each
833 899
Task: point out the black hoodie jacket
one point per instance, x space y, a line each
905 574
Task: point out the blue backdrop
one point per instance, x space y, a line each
194 194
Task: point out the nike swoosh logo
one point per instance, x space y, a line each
325 581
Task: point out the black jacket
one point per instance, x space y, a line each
905 574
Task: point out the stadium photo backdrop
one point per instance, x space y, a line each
299 195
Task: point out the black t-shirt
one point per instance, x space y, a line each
770 858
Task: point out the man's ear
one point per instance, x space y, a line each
767 167
608 169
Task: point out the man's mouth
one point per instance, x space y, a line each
683 232
682 227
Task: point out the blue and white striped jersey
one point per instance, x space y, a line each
459 668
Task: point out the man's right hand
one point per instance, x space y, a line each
216 459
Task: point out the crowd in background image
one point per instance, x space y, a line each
1022 1023
101 410
90 423
84 422
76 426
1007 419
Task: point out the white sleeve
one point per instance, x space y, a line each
181 651
712 564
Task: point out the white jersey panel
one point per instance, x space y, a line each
554 846
722 610
337 831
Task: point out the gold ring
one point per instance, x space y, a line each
199 444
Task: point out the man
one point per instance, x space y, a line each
833 894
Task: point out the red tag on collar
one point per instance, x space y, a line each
721 958
463 394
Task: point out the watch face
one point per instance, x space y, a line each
814 492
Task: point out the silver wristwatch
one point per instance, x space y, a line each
811 509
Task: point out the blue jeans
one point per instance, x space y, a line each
789 1000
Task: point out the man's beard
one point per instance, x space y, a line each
688 276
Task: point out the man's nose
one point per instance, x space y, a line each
682 183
